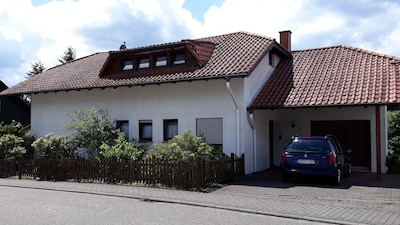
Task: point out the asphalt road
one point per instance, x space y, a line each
36 206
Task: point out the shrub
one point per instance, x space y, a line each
122 149
10 146
90 129
393 163
55 147
15 140
182 148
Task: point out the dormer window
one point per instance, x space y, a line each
161 61
144 63
127 65
179 59
170 58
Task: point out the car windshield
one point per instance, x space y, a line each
307 145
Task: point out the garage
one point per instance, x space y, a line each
353 134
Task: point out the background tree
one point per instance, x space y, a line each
37 68
393 159
69 55
394 131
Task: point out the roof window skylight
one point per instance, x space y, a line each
144 63
179 59
127 65
161 61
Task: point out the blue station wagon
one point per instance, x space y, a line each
315 156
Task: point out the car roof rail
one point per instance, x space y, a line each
330 136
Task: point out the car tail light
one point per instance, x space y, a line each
332 159
283 157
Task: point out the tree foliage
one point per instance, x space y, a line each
393 159
55 147
37 68
15 140
394 131
182 148
122 149
69 55
90 129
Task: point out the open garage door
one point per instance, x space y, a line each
353 134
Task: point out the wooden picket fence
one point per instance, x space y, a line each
198 173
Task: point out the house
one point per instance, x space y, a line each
13 108
242 91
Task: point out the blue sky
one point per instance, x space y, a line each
41 30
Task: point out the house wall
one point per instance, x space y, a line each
184 101
252 133
283 130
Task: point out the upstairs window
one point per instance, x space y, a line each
179 59
161 61
127 65
144 63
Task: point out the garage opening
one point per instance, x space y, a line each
353 134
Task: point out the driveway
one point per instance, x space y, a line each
360 199
361 194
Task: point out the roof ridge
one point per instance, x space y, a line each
320 48
78 59
370 52
235 33
351 48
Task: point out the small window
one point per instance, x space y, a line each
145 131
161 61
179 59
170 129
144 63
127 65
123 125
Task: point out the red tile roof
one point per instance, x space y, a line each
332 76
234 54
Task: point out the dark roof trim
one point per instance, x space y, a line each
323 106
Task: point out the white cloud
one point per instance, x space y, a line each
29 34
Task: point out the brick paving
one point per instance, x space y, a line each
360 199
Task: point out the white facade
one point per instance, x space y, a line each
242 131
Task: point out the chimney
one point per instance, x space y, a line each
286 40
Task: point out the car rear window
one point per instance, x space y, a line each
308 145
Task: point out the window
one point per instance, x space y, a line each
179 59
127 65
144 63
161 61
145 131
211 129
170 129
123 125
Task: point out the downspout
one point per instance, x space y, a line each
250 119
228 87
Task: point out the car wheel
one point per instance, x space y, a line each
286 177
337 178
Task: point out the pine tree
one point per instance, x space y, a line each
69 55
37 68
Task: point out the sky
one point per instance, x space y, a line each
41 30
